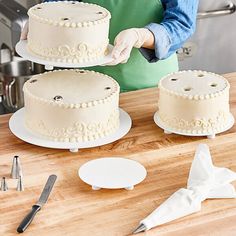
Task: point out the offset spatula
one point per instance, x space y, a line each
35 208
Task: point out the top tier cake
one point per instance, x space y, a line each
68 31
195 102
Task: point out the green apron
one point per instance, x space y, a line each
137 73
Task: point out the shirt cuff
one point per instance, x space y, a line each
149 54
162 43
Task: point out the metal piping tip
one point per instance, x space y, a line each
20 186
4 186
140 228
16 170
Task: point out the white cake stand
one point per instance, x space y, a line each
168 130
17 127
21 49
112 173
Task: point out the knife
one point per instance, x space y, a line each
37 207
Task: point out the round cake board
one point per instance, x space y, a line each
21 49
17 127
112 173
168 130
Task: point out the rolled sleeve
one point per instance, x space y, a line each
162 43
177 26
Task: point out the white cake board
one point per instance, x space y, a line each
21 49
112 173
17 127
168 130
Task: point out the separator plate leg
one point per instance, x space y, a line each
211 136
167 132
74 149
48 67
95 188
129 188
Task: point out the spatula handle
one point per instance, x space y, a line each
28 219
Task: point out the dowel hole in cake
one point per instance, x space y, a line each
73 3
80 71
100 13
200 75
108 88
65 18
214 85
174 79
187 89
33 81
57 98
39 8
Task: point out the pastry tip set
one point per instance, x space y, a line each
16 173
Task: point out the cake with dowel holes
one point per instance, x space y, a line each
68 31
194 102
72 105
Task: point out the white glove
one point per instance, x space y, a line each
25 31
126 40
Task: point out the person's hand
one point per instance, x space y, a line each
126 40
24 32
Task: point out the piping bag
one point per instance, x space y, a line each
205 181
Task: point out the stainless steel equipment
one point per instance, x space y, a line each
212 47
12 18
28 3
14 75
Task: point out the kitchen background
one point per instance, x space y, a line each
211 48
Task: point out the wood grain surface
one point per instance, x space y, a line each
74 209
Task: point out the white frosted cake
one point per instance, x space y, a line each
72 105
68 31
194 102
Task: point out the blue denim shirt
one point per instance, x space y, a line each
177 26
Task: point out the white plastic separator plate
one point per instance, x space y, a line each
17 127
21 49
112 173
168 130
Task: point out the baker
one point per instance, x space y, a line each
146 35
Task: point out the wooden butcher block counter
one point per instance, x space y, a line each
74 208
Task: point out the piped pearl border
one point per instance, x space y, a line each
197 96
109 98
107 16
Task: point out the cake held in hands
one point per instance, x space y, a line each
72 105
66 31
194 102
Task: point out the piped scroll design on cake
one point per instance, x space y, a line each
197 126
80 53
79 131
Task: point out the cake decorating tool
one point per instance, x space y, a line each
205 181
37 207
20 186
16 170
4 186
112 173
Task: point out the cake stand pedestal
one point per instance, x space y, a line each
17 127
112 173
21 49
168 130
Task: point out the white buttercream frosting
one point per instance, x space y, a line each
72 105
69 13
194 102
68 31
